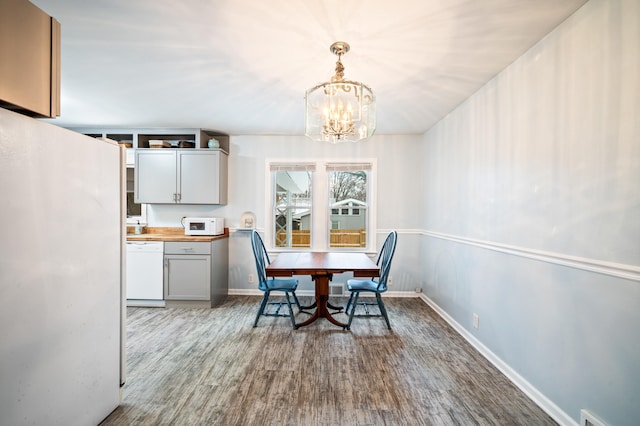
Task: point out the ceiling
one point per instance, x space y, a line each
242 66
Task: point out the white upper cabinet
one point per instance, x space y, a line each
200 177
181 176
156 177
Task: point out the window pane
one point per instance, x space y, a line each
292 208
348 188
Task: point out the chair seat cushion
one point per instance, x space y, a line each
283 284
363 285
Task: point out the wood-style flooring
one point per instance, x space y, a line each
211 367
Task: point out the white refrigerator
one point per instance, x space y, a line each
61 274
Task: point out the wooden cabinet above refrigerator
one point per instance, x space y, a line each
29 60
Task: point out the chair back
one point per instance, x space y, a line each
262 259
384 259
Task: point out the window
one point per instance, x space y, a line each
292 206
322 205
348 187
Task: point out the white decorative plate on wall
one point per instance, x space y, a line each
247 221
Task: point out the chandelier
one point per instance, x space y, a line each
339 110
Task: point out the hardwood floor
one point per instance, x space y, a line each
211 367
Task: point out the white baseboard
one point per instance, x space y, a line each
538 397
256 292
311 293
401 294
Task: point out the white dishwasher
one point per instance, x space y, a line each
145 268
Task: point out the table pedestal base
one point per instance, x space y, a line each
322 302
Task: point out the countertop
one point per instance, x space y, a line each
170 234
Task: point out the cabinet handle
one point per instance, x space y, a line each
187 248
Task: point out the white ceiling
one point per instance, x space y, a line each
242 66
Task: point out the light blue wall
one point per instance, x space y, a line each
532 214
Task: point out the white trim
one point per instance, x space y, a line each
256 292
401 294
618 270
311 293
536 396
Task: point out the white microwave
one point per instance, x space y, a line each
203 225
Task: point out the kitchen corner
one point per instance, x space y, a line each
181 270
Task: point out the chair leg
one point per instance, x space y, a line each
297 302
346 309
353 307
291 315
262 306
383 309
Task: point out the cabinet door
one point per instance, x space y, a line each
156 176
199 177
187 277
29 59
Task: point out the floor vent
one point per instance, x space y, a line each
336 289
588 419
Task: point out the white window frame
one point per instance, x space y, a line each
320 216
301 166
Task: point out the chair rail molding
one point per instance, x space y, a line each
618 270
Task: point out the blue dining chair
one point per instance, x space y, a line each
376 286
267 285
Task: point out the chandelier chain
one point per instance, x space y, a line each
339 71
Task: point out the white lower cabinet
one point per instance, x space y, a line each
196 271
187 271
